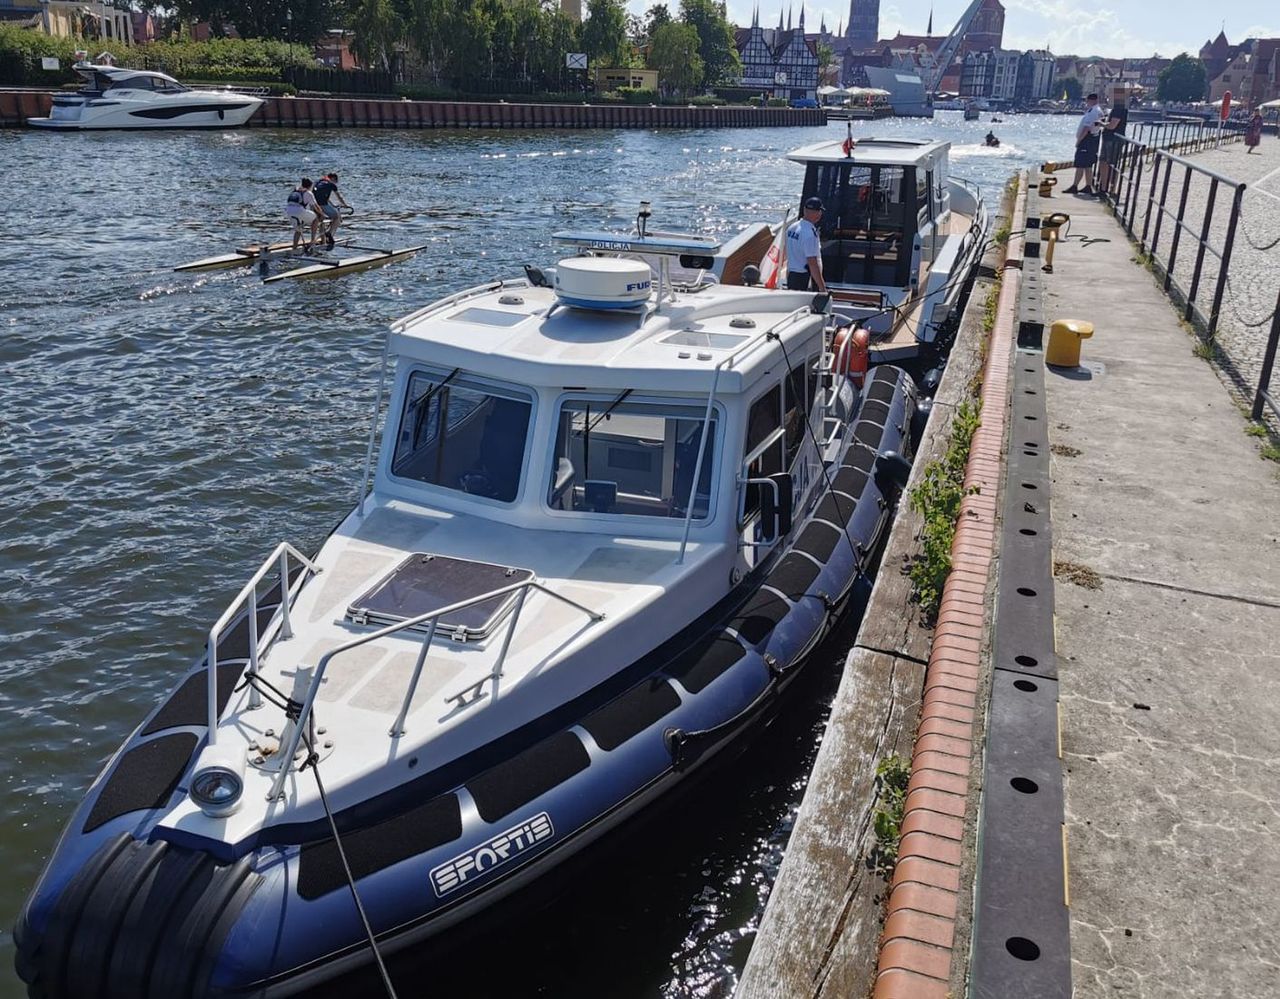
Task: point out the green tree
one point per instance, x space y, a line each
287 20
715 39
654 18
1184 79
604 33
828 66
1070 88
674 54
378 26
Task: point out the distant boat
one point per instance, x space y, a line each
114 97
971 112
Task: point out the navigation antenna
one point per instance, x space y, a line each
642 218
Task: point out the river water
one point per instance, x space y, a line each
160 433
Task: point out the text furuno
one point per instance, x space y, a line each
502 848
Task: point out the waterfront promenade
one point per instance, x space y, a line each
1164 516
1253 276
1166 526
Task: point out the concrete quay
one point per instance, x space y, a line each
1140 860
1166 527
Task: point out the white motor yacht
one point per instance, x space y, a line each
901 238
114 97
610 518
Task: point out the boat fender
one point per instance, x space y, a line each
535 276
674 739
852 350
930 380
920 417
751 275
891 470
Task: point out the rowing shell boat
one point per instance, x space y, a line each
336 268
247 255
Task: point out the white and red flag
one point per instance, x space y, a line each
848 143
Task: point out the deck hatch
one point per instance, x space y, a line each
423 583
703 339
487 317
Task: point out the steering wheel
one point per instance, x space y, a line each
477 483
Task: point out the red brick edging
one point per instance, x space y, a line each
919 933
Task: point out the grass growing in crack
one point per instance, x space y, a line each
1074 572
1203 350
937 499
1271 453
1255 430
892 776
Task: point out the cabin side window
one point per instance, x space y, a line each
617 456
462 435
764 449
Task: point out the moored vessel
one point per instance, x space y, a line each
117 98
611 514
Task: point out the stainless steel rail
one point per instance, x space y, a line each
289 751
249 593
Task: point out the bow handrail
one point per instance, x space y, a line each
288 752
249 592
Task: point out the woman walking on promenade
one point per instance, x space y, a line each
1253 134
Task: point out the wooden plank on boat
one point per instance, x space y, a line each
247 255
349 265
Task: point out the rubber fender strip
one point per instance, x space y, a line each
515 782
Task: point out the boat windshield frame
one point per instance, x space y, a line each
481 482
683 409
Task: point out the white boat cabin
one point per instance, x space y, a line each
897 232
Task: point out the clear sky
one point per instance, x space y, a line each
1108 28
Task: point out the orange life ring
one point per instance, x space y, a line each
852 349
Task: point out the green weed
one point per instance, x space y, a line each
1255 430
937 499
893 773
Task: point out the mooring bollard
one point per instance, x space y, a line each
1065 337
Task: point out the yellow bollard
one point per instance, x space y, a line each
1064 342
1049 226
1047 185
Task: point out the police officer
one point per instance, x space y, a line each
804 250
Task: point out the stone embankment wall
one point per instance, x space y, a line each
343 112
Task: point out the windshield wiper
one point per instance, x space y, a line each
423 407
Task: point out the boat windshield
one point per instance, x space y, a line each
146 81
462 434
628 458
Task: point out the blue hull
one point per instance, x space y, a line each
119 912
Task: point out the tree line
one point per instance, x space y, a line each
517 40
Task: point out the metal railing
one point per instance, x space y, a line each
249 595
1124 190
1263 394
431 618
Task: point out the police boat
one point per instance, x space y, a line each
611 514
901 239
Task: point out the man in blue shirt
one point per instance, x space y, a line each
804 250
326 189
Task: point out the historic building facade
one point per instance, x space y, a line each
781 62
864 25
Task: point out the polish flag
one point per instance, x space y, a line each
775 259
